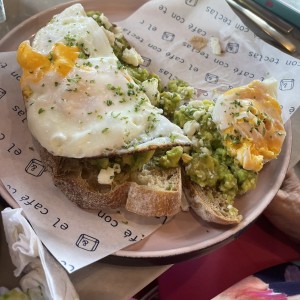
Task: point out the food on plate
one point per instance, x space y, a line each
215 45
231 141
250 122
77 92
137 181
89 108
112 135
198 42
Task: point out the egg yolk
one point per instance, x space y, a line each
258 135
35 65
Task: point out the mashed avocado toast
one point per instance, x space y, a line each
231 141
208 169
131 141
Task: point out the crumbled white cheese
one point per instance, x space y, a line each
211 109
215 45
190 128
196 103
117 30
118 44
197 114
195 142
105 21
151 90
205 150
106 176
110 36
131 57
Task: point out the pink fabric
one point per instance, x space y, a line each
259 247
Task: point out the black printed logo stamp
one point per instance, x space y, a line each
35 168
87 242
3 65
286 84
232 47
211 78
147 61
2 93
168 36
191 2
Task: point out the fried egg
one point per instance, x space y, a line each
80 101
249 118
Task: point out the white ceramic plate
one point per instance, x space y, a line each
186 235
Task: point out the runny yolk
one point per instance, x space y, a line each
262 142
35 65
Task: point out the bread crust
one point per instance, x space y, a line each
78 190
155 201
81 193
146 197
207 204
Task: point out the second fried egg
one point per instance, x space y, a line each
249 119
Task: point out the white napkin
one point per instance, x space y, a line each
43 275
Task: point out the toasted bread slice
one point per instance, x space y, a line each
155 192
148 192
209 204
80 187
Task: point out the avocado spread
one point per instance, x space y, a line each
133 162
207 161
209 164
171 158
15 294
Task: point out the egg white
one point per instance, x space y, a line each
95 109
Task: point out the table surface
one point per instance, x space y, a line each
122 282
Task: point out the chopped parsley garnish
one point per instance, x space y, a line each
70 40
87 64
119 65
139 104
237 103
109 102
130 92
50 56
72 90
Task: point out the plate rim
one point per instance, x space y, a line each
172 254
